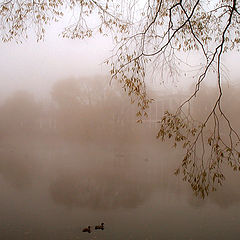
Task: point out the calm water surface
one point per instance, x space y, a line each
52 190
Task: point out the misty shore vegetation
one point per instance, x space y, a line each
63 128
89 109
77 110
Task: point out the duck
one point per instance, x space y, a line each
100 226
87 229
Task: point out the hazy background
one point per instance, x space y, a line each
72 155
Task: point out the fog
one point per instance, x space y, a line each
35 66
72 154
78 157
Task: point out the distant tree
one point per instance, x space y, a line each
87 106
81 91
156 31
19 113
73 104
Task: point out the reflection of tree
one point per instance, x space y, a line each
105 188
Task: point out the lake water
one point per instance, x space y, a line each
51 190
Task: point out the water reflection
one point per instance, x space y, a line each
53 189
106 188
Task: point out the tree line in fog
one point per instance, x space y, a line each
83 108
89 108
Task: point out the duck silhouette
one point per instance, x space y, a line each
100 226
87 229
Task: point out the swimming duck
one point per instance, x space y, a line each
100 226
87 229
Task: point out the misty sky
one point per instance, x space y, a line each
35 66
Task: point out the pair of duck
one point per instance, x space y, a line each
88 229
